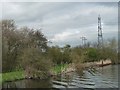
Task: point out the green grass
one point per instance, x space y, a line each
0 78
57 69
11 76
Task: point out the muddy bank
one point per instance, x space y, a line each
98 63
80 66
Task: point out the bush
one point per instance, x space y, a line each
92 55
35 63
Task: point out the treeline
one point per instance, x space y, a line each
26 49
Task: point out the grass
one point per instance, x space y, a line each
0 78
57 69
11 76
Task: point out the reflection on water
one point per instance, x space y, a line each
103 77
28 83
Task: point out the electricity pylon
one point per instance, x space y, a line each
100 36
83 40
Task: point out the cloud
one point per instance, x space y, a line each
65 22
64 36
59 1
0 10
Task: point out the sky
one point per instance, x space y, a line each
65 22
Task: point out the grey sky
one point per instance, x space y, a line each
65 22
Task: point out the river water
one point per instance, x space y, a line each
102 77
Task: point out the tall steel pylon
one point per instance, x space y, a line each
100 36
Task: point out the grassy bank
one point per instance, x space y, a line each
0 78
17 75
11 76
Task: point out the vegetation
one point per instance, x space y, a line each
0 79
18 75
25 48
28 52
58 69
11 76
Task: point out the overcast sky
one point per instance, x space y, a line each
65 22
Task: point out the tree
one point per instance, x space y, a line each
112 43
66 54
10 45
33 54
92 55
17 46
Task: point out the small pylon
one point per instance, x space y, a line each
83 40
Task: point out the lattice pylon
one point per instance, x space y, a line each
100 36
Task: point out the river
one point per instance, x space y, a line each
102 77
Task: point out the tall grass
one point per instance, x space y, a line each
58 68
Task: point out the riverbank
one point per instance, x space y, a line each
106 78
18 75
98 63
80 66
57 70
12 76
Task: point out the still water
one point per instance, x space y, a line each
102 77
